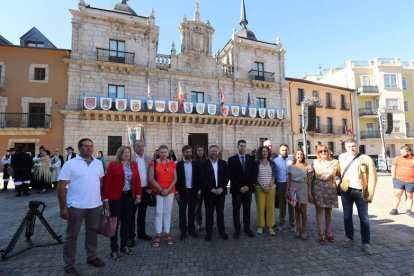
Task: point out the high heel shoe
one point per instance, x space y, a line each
303 235
322 240
330 237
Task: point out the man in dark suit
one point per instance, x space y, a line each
71 153
214 179
241 174
187 186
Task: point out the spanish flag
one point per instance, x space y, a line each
180 96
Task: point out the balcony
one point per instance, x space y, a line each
345 106
24 120
370 134
106 55
328 129
163 61
409 133
255 75
368 90
330 105
2 82
368 112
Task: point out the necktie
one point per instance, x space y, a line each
243 162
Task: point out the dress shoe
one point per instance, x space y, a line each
183 236
194 234
224 236
236 235
249 233
144 237
96 262
71 271
130 243
208 237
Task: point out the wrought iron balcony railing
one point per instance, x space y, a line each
345 106
24 120
261 75
107 55
370 134
330 105
368 89
368 112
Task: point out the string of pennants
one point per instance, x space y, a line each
136 105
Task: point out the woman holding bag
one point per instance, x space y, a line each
163 176
122 183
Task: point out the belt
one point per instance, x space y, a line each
126 192
353 189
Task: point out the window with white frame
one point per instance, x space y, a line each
366 81
390 81
38 73
404 83
396 126
392 104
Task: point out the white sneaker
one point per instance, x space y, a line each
348 243
271 231
281 227
367 248
259 230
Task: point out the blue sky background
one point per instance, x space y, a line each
317 32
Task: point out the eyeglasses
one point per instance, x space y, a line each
322 151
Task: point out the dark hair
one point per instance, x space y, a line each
406 148
47 151
163 147
186 147
101 152
195 156
284 145
214 146
294 157
350 140
241 141
80 143
259 152
42 147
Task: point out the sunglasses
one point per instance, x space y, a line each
322 151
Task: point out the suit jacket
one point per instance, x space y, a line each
71 156
240 177
180 185
208 180
367 175
115 178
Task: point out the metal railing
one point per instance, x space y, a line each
330 104
328 129
261 75
107 55
368 111
370 134
368 89
345 106
24 120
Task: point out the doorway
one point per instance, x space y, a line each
198 139
37 114
26 147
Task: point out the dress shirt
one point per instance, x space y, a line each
128 177
352 172
142 170
242 158
188 170
282 165
215 169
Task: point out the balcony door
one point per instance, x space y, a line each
36 115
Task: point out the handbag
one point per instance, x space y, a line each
149 199
107 224
338 187
292 196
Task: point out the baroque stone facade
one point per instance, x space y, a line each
117 49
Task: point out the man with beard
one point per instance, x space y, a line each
188 185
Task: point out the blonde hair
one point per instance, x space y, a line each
120 151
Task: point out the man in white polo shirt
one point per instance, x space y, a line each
79 192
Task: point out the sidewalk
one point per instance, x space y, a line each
391 236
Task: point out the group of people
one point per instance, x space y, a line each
135 181
39 173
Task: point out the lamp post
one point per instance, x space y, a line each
381 120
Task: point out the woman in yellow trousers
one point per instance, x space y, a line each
265 191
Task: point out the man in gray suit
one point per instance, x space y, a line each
143 162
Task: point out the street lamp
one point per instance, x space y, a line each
384 127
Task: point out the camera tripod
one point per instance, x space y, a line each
29 223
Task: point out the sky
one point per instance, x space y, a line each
315 34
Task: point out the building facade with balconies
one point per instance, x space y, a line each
192 97
380 83
33 84
334 114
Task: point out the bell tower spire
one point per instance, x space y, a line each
243 17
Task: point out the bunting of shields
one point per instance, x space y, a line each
137 105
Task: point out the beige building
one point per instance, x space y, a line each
381 83
33 85
115 63
334 114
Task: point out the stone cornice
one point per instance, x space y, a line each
154 117
23 131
